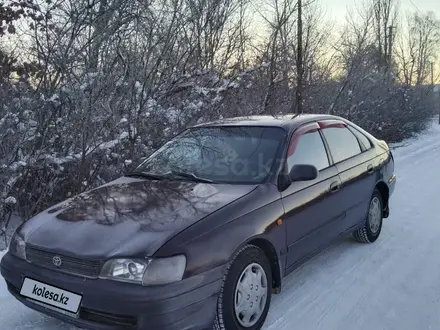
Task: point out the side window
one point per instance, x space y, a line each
342 143
309 150
363 140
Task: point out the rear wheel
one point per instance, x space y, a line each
372 227
245 295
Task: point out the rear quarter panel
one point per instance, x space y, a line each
383 160
386 170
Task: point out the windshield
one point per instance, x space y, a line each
218 154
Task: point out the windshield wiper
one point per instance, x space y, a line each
145 175
191 176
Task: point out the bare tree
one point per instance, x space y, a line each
385 18
281 52
299 61
418 47
104 83
279 19
355 50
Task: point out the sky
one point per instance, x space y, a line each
337 9
335 12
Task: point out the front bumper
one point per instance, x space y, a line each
109 305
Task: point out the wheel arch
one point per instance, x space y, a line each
385 194
269 250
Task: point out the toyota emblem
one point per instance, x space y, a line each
57 261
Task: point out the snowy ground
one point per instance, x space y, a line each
393 284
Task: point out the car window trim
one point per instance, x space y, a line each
358 163
304 129
354 131
333 123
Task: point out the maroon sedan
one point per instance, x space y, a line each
202 233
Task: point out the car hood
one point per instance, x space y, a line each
127 217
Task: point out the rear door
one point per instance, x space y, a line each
312 208
353 155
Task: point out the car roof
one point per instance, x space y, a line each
288 121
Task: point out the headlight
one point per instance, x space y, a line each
17 247
125 270
165 271
148 272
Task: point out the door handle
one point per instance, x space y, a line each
370 169
335 187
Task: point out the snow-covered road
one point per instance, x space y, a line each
393 284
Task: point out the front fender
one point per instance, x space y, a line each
216 245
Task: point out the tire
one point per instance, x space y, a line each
372 227
253 259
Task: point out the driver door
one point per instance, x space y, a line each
312 208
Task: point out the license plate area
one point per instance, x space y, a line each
50 296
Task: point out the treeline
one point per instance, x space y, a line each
90 87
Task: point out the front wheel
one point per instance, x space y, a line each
372 227
245 296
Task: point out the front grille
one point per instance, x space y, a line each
106 318
69 264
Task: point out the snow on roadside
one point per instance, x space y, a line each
423 139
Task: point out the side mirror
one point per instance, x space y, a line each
303 173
